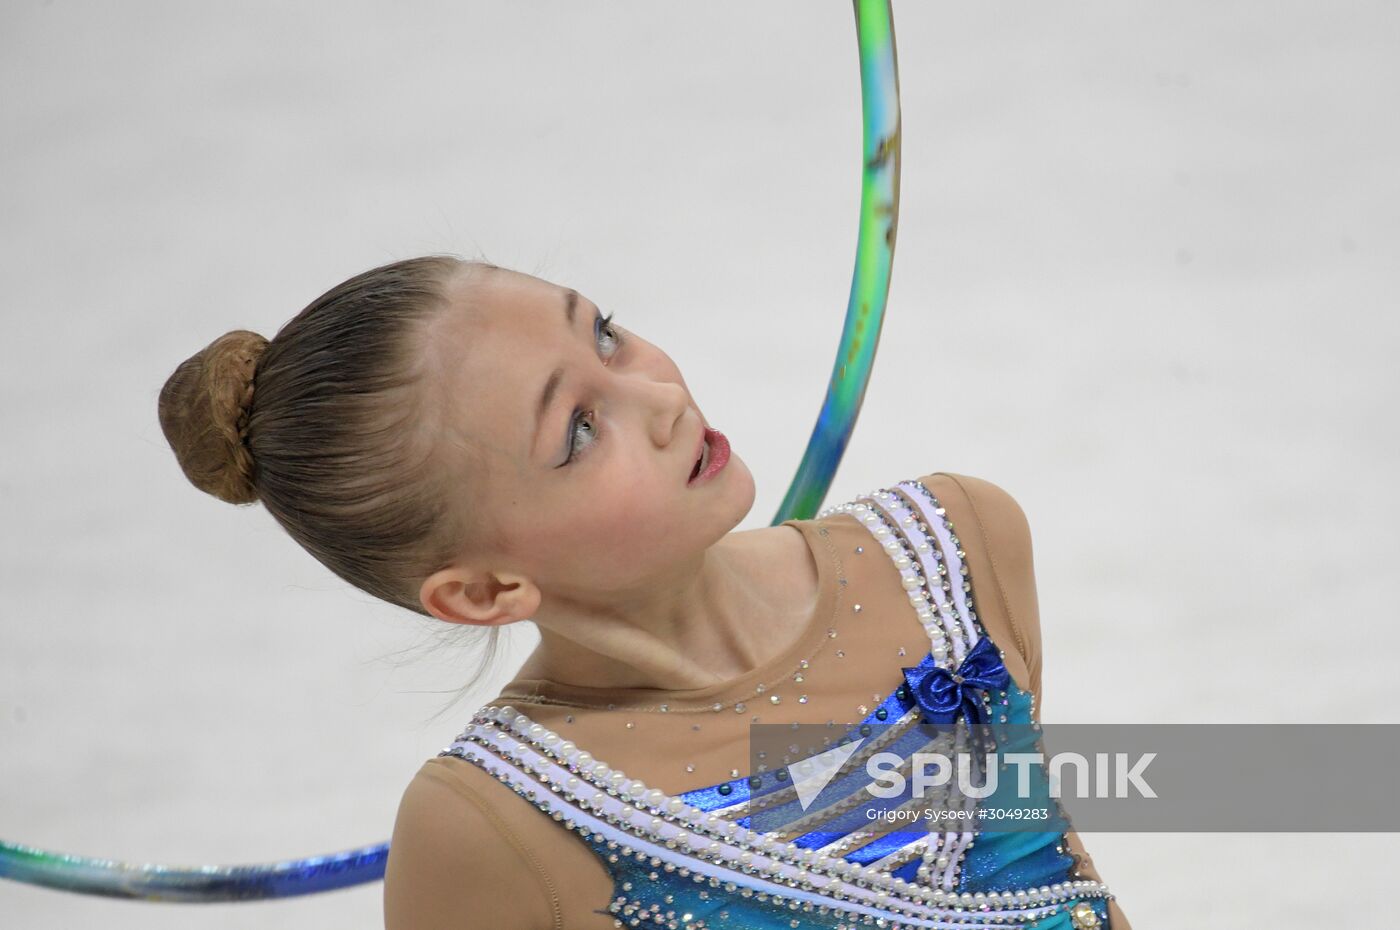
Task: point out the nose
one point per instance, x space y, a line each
669 401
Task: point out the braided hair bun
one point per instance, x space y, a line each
204 409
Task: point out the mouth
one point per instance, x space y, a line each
712 457
700 459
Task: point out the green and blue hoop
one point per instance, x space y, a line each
855 356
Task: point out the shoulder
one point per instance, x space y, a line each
990 505
978 510
456 857
994 536
983 511
994 532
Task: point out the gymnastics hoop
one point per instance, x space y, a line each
855 356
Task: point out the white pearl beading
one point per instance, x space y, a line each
535 760
902 855
951 620
942 867
942 608
939 558
936 518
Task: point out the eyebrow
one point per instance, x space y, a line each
551 386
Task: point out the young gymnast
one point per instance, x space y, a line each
485 447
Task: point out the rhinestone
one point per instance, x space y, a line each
761 688
689 767
739 708
856 608
775 698
831 633
802 699
716 706
798 677
859 549
631 725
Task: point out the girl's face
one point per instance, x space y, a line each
585 436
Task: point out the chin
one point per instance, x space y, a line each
741 488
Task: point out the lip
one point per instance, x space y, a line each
719 455
699 449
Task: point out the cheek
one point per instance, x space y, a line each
622 520
622 533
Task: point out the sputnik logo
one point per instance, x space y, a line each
813 774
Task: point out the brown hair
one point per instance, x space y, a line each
325 424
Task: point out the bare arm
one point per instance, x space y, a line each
454 862
986 516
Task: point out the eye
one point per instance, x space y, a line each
584 418
604 323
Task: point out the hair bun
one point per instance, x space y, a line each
204 408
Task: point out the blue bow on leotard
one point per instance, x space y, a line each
942 693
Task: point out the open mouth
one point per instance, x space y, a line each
700 462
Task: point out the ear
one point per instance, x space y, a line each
461 594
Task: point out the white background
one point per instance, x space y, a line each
1145 280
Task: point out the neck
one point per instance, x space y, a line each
728 611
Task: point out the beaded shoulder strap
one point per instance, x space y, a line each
704 834
913 529
911 526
